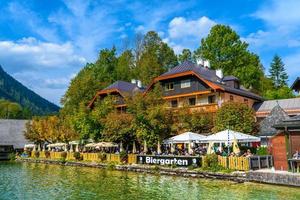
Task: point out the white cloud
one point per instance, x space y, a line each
183 33
29 53
180 27
282 22
280 13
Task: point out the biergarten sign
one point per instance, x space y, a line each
182 161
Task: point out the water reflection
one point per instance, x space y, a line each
40 181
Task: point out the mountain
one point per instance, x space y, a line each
14 91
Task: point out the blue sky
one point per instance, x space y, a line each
44 43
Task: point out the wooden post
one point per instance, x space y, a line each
259 162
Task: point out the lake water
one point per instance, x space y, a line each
41 181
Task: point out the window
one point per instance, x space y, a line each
169 86
212 99
231 98
174 103
192 101
185 83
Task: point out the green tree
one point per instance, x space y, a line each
186 54
124 67
118 128
198 122
10 110
152 120
283 92
277 72
155 57
225 50
235 116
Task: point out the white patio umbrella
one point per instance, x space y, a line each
186 137
210 149
190 149
145 147
121 147
172 148
222 137
34 148
133 147
158 148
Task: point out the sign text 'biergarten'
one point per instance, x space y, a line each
169 160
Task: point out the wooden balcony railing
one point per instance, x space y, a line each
213 107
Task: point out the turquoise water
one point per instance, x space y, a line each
40 181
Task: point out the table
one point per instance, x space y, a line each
294 163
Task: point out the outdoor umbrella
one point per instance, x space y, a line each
172 148
236 148
65 147
145 147
133 148
158 148
210 149
190 149
121 147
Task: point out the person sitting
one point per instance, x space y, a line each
248 153
296 155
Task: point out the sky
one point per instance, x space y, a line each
44 43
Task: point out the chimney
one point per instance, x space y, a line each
139 83
200 61
219 73
133 81
207 64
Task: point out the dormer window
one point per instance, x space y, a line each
185 83
169 86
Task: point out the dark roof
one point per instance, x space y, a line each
210 75
296 85
285 104
290 123
12 133
230 78
266 126
122 86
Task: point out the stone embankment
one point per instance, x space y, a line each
240 177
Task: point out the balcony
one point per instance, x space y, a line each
208 108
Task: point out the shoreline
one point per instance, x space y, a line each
238 177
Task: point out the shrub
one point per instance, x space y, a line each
211 163
64 154
102 156
262 151
123 156
77 155
111 165
47 154
36 154
12 156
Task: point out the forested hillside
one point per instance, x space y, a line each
14 91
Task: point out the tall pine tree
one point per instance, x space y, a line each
277 72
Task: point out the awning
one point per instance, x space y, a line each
186 137
106 144
29 145
222 137
57 145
